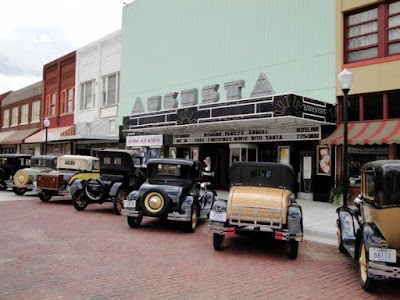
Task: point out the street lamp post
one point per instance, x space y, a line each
345 79
46 124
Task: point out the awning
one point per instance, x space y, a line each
4 135
366 133
18 136
53 134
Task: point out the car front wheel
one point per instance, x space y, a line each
367 283
119 201
3 186
192 224
218 240
44 196
79 200
19 191
134 222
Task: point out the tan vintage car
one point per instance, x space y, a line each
371 232
260 200
69 168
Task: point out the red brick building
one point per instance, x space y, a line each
58 105
20 118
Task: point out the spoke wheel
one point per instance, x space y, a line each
366 282
79 200
119 201
218 240
134 222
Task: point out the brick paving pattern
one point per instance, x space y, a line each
50 251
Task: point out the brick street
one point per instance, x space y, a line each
51 251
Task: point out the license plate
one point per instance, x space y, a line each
130 203
218 216
379 254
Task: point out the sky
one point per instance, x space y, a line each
36 32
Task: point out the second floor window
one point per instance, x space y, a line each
67 101
87 95
51 101
6 118
14 117
24 114
110 89
35 111
373 33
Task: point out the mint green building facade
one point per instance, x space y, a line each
174 45
199 64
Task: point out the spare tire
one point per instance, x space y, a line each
96 190
154 203
21 178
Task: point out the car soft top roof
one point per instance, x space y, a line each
132 153
382 165
173 161
267 174
16 155
46 157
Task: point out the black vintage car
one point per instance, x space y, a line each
171 192
9 165
260 200
25 179
370 233
120 173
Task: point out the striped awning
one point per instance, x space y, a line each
53 134
366 133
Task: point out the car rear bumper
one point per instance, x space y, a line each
173 216
283 235
383 270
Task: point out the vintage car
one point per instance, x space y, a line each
25 179
9 165
370 233
171 192
260 200
120 173
69 169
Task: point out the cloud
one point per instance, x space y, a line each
34 33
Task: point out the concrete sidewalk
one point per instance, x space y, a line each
319 219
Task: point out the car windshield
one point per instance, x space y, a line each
165 171
391 188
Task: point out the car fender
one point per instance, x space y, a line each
207 200
77 184
295 219
372 235
186 206
114 188
346 225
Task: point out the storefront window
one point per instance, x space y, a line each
373 107
394 105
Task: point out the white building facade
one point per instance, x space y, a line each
97 94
